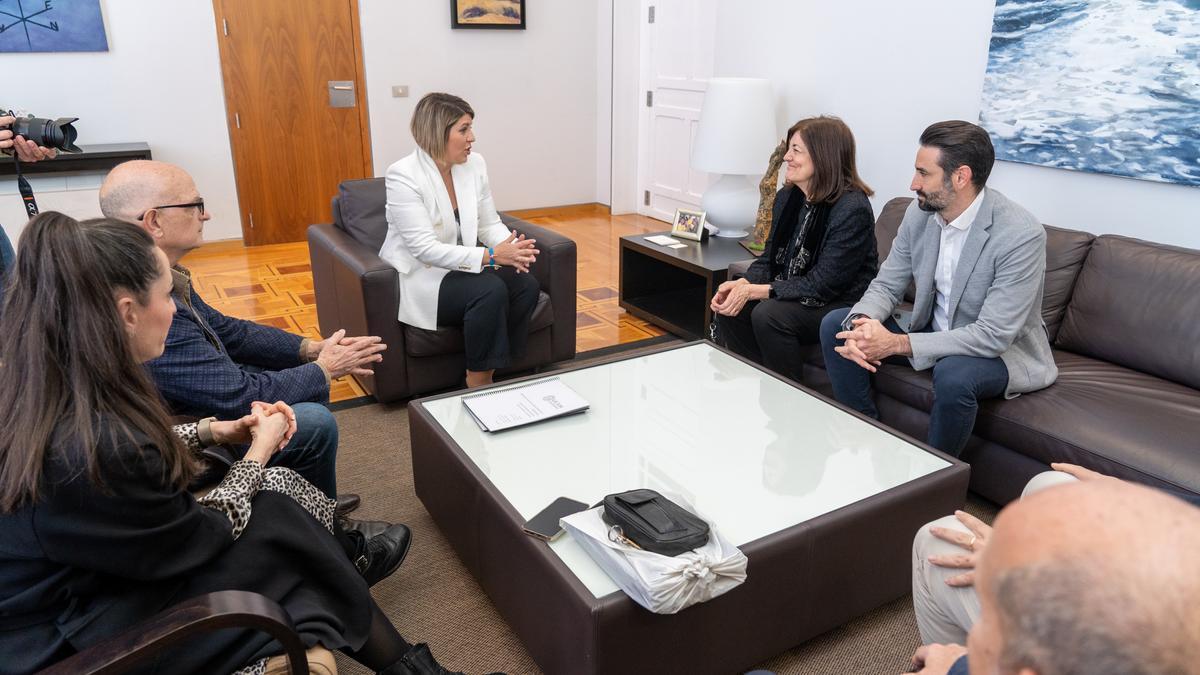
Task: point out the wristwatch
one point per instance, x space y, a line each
848 322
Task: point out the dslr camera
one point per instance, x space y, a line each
47 133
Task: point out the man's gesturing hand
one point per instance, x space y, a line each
340 355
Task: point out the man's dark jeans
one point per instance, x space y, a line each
959 382
312 452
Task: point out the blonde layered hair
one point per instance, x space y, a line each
432 119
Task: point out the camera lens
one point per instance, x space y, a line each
48 133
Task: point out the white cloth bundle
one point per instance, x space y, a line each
661 584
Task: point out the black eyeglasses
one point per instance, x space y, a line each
197 204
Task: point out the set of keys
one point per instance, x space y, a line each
617 536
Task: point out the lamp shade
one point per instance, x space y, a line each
737 127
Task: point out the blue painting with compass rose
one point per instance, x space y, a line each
52 26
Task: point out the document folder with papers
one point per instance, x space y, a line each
523 404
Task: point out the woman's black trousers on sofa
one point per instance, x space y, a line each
773 333
493 308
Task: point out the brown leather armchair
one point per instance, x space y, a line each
358 291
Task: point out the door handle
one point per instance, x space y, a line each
341 94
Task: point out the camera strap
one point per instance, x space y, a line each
31 207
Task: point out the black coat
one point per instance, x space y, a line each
846 259
84 562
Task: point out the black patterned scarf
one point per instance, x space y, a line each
797 238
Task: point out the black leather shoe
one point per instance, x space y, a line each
368 528
346 504
418 661
383 554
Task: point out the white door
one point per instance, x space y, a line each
677 62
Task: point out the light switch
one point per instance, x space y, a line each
400 91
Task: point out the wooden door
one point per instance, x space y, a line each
677 63
290 147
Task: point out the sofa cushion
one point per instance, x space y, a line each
360 210
1065 252
449 340
1098 414
1136 304
886 227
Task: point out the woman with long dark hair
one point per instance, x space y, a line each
97 531
820 253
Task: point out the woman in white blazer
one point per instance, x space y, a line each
459 265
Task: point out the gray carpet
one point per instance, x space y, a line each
432 598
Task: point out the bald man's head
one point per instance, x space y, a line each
137 192
1096 577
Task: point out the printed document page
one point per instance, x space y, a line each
524 404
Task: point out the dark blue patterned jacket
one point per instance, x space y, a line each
217 365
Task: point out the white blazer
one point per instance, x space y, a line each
422 239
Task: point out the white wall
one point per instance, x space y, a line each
534 92
537 94
889 69
160 82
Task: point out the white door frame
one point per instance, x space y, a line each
633 122
629 20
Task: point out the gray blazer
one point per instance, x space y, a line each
995 298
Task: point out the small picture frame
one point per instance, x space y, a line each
501 14
689 224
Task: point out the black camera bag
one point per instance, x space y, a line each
654 522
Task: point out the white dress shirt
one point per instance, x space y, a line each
954 235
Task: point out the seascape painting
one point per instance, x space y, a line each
1108 86
52 26
487 14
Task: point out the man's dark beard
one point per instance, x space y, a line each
938 200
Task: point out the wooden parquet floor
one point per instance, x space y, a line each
273 284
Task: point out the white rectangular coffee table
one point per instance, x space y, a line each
823 502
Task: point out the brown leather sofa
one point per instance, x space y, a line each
1123 317
357 290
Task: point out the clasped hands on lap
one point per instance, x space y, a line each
733 295
516 251
869 342
267 429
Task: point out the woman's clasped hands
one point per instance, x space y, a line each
516 251
267 429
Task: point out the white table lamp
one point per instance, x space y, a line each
735 140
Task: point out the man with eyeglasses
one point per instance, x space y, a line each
218 365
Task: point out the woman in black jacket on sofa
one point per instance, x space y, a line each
820 254
97 531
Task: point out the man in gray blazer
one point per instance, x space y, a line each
978 261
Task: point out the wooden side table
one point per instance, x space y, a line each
671 287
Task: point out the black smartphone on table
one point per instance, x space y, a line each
545 526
